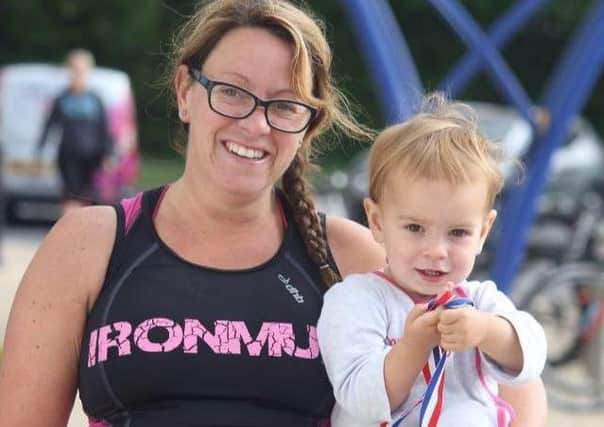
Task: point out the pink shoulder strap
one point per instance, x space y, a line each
92 422
132 208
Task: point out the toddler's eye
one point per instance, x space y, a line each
460 232
414 228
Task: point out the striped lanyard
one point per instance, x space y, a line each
434 369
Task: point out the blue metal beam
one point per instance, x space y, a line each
499 34
559 77
505 81
387 56
577 73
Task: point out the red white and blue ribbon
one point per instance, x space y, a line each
434 369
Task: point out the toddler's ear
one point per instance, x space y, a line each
374 219
486 228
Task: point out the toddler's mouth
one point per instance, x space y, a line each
431 275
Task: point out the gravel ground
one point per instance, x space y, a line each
17 248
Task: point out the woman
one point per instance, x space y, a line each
196 303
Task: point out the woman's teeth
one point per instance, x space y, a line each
248 153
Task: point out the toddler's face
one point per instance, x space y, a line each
431 230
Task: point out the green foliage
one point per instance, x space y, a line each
156 171
134 35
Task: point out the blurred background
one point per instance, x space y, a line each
559 276
134 36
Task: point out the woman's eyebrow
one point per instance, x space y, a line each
239 79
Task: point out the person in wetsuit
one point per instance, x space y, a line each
85 139
196 303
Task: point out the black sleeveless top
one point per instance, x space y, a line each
171 343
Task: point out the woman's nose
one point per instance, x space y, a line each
256 122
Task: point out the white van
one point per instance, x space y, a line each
32 187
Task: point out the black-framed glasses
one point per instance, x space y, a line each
234 102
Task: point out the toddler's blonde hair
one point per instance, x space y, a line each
441 142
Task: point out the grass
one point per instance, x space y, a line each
156 171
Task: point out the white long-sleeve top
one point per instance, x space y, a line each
363 316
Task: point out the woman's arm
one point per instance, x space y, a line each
38 376
353 247
529 402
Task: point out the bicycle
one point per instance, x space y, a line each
565 293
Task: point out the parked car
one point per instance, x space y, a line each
32 185
576 166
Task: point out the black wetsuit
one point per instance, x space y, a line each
170 343
85 140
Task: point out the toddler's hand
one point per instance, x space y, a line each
421 327
461 328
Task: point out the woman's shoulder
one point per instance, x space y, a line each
93 221
76 251
353 246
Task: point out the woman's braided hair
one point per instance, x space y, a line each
296 188
305 33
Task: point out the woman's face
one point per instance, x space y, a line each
241 156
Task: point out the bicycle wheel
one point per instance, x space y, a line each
563 300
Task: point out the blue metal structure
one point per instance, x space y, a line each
505 80
499 34
394 74
396 78
564 97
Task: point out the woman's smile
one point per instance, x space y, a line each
245 152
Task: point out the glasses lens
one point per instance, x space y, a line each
288 116
231 100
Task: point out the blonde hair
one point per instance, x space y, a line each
305 33
441 142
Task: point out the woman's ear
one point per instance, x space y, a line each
182 83
374 219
